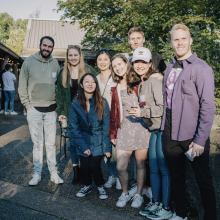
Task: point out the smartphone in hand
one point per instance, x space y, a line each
105 159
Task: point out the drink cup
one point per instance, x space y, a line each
64 123
134 105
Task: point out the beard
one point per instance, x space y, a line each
45 56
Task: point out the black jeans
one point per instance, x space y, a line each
91 167
176 159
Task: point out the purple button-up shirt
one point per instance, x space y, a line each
193 106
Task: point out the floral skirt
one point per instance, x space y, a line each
133 134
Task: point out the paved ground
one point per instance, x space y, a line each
29 202
47 200
10 211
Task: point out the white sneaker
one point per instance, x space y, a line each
118 184
55 178
13 113
133 190
147 192
122 200
110 182
6 113
102 193
2 112
175 217
137 201
35 180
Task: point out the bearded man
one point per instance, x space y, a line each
37 81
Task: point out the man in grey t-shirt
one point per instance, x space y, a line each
9 79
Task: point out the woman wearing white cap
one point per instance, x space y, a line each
127 133
151 102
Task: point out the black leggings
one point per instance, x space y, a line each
91 167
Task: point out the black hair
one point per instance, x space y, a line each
98 101
102 51
47 37
7 67
158 62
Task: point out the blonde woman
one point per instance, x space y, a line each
67 87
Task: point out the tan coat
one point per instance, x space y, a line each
153 110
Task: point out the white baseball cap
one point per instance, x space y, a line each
142 53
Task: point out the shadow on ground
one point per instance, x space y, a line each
16 167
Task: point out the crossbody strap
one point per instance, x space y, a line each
106 84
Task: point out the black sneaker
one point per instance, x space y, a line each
102 193
85 190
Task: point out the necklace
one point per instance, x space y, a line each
74 75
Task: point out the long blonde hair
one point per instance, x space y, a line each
67 67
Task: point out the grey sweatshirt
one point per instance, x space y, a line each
37 81
153 110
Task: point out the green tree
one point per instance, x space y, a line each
12 33
6 22
17 36
107 23
206 46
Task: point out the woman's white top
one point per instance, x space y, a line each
107 93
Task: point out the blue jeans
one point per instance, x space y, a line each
73 153
43 126
9 98
112 170
159 171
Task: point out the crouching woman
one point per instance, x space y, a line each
89 123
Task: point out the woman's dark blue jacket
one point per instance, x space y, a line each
94 137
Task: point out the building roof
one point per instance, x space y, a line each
4 50
63 33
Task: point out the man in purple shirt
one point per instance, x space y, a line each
189 111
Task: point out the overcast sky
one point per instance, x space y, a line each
23 8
